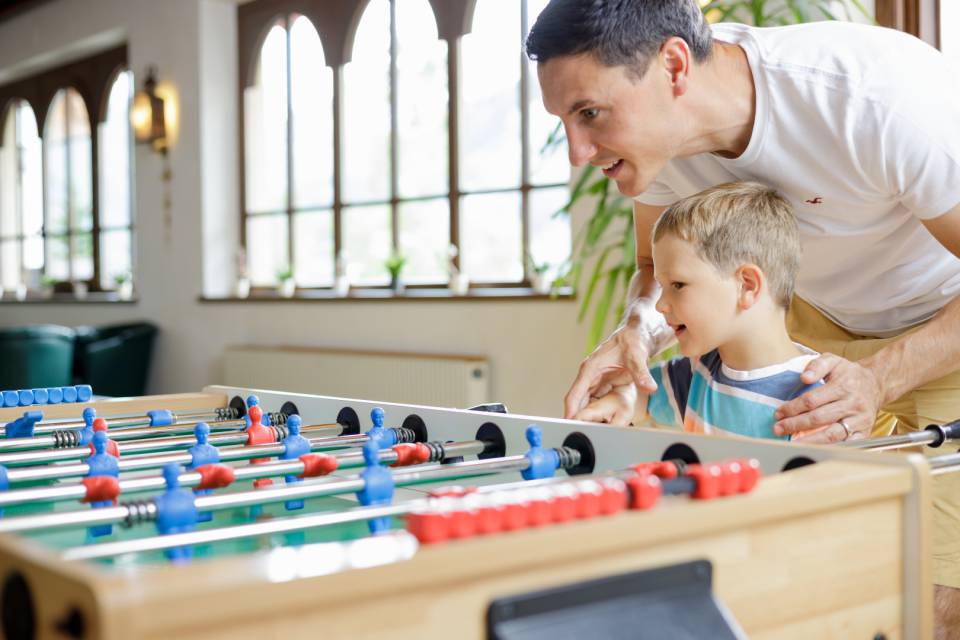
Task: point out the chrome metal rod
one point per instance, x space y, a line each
912 439
300 490
143 446
155 461
292 523
126 420
269 527
348 460
947 463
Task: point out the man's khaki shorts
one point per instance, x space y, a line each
934 402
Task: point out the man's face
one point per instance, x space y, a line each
697 301
612 119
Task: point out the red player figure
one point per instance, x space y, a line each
101 425
259 434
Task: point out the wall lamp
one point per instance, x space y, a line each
147 115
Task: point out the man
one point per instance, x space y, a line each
858 127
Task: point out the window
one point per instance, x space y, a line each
116 220
21 197
65 176
68 201
424 138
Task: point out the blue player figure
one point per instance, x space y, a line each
85 433
101 463
176 512
201 454
543 462
383 438
294 446
377 486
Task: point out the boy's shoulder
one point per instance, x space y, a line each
780 381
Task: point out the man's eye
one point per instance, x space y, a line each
590 114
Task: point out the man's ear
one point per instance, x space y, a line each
675 58
750 284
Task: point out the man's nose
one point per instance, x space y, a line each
580 148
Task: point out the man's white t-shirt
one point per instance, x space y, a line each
859 128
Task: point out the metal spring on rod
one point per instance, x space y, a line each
569 458
65 439
437 452
405 435
278 419
139 511
280 433
227 413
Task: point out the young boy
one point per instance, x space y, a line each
726 260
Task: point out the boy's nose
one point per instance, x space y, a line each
662 305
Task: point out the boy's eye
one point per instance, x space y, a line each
678 285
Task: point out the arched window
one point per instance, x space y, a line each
115 174
288 114
396 185
21 196
68 178
436 137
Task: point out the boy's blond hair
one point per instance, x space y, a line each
737 223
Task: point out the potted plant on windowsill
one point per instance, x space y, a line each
394 265
539 281
459 282
124 285
46 286
286 285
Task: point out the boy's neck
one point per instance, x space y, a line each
761 344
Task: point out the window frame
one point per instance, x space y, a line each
336 24
92 77
920 18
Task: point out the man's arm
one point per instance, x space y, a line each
855 391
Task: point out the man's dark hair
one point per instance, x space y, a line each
618 32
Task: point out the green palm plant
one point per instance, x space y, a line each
603 258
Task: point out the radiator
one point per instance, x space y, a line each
437 380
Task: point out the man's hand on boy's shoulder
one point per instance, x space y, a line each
851 395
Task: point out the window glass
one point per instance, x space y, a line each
490 234
421 102
31 176
265 127
547 166
313 248
490 152
115 256
366 112
55 166
80 176
424 240
311 102
366 238
114 155
550 240
267 248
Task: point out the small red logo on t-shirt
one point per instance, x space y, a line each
817 200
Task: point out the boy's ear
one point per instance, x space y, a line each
751 282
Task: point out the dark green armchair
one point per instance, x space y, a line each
37 356
114 360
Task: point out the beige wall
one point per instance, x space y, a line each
534 346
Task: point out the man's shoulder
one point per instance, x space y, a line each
847 52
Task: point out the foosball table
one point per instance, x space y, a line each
240 513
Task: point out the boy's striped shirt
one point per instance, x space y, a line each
706 396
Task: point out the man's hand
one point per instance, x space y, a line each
618 360
852 393
620 405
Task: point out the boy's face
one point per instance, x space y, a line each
698 302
